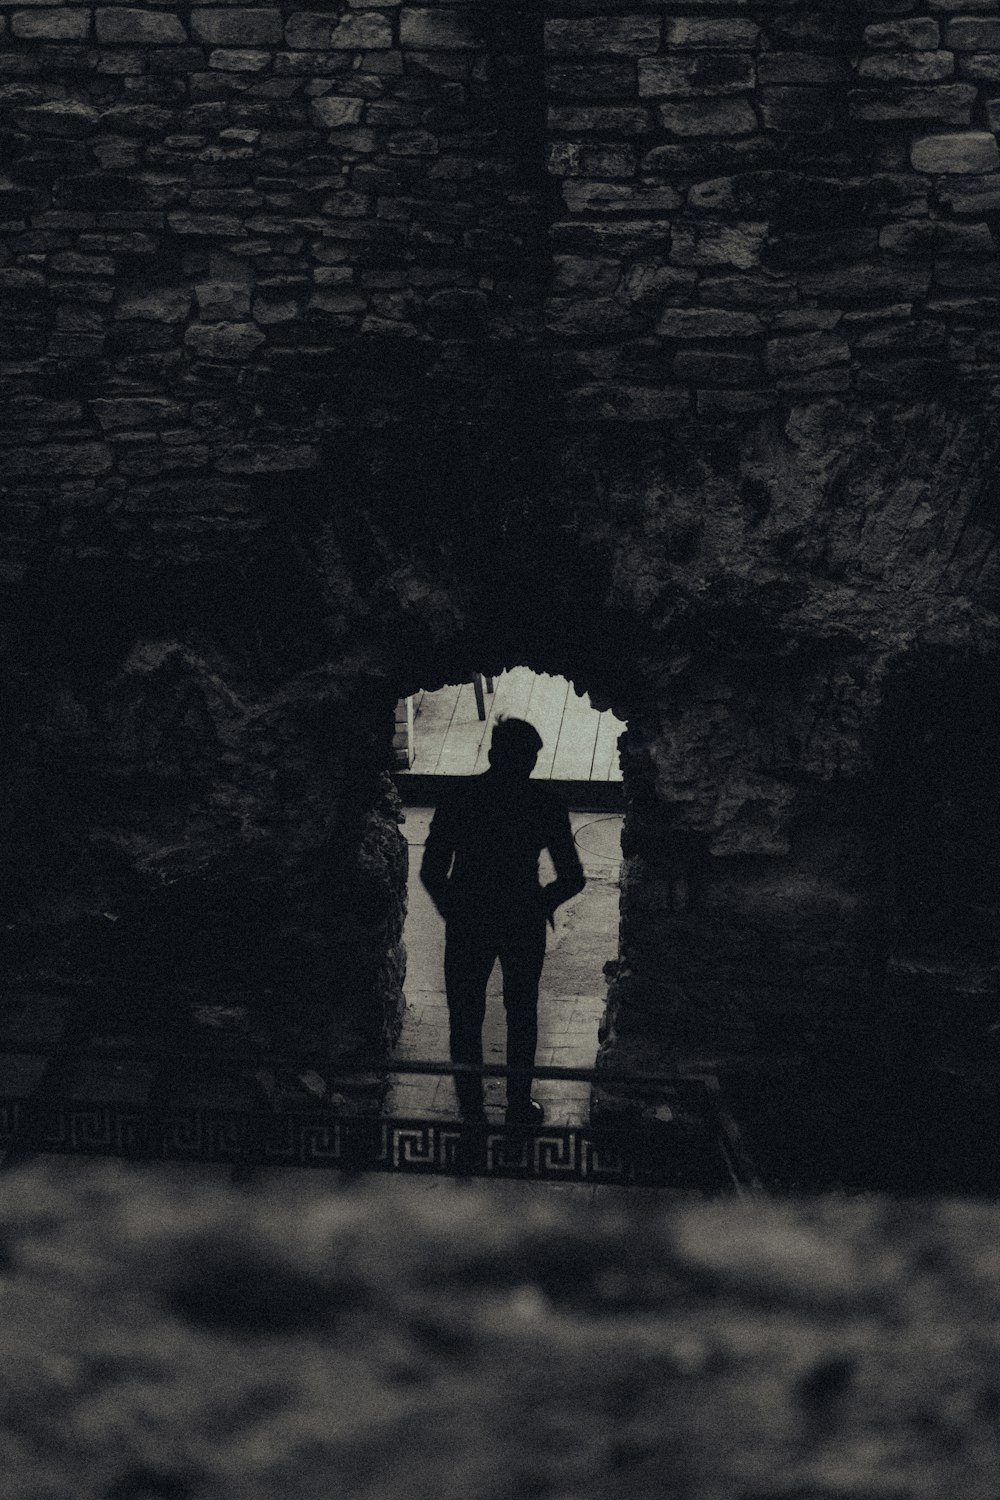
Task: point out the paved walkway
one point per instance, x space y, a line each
572 993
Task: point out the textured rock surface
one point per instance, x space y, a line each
348 351
164 1341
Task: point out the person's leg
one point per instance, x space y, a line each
522 954
469 956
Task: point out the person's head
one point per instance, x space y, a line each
514 747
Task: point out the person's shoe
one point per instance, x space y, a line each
531 1113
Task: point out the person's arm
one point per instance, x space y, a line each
570 879
439 851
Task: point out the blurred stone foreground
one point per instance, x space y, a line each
165 1340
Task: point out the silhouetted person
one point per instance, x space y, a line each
480 867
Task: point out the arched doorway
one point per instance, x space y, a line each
451 732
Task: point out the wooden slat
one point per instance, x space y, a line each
574 756
606 765
465 735
435 713
545 711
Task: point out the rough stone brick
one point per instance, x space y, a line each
239 60
157 305
972 151
204 224
971 198
139 27
729 35
136 411
51 25
447 30
333 111
697 76
908 67
800 67
808 351
706 367
591 81
60 117
224 341
619 197
238 26
729 404
709 117
734 245
589 317
632 35
982 67
604 118
627 403
578 159
963 5
644 285
951 103
708 322
922 34
866 282
797 110
973 34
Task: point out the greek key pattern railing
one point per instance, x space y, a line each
308 1139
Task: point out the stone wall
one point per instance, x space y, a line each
352 350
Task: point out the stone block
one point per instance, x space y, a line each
183 223
973 34
224 341
950 103
130 27
157 305
60 117
969 152
728 404
425 30
709 117
867 282
334 111
713 244
696 76
632 35
907 67
980 67
587 317
797 110
708 322
922 35
578 159
612 119
582 197
137 411
223 301
627 403
805 352
707 367
726 35
237 26
591 81
239 60
973 198
963 5
63 25
801 67
644 285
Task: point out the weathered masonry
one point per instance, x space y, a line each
352 349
